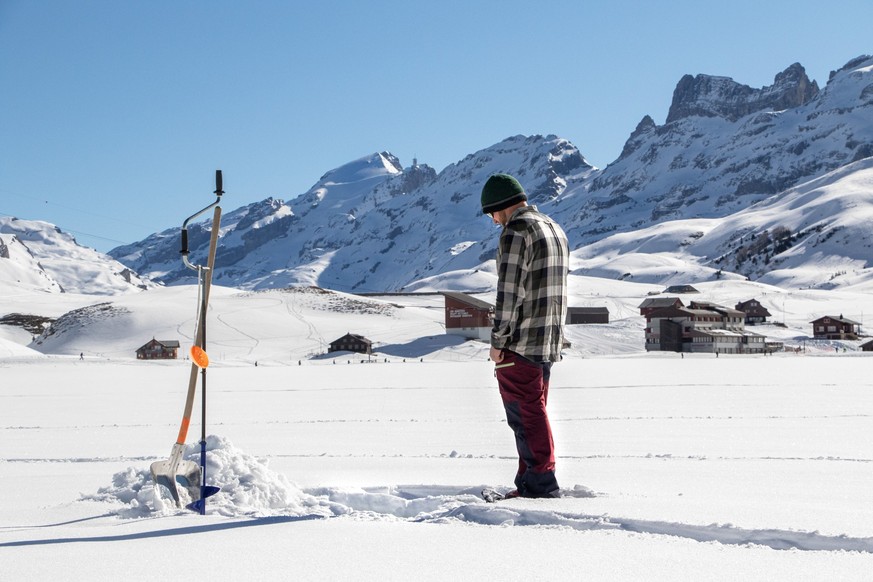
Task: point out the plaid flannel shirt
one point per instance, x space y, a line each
532 264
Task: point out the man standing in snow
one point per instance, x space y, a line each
532 265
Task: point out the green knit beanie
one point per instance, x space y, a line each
501 191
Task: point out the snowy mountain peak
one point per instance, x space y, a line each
41 256
373 225
706 162
373 166
709 96
369 225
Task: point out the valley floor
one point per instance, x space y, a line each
751 468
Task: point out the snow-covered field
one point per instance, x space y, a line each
729 468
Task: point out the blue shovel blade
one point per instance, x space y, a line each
200 504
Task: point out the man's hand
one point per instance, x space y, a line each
496 355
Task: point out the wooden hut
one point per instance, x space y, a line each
158 350
351 343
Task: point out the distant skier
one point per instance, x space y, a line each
532 266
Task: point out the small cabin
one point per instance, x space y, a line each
351 343
830 327
159 350
755 312
582 315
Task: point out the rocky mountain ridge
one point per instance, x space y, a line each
708 96
725 151
368 225
706 165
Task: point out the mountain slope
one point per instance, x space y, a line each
724 148
373 225
39 255
369 225
815 235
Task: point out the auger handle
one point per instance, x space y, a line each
218 192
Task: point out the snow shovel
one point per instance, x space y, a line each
176 471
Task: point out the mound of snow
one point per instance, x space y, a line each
248 488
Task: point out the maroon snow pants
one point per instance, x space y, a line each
524 388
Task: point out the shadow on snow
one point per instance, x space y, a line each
180 531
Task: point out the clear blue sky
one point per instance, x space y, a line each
115 114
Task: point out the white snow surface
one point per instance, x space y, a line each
333 467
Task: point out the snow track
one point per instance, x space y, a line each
441 504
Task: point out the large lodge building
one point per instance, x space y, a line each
700 328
